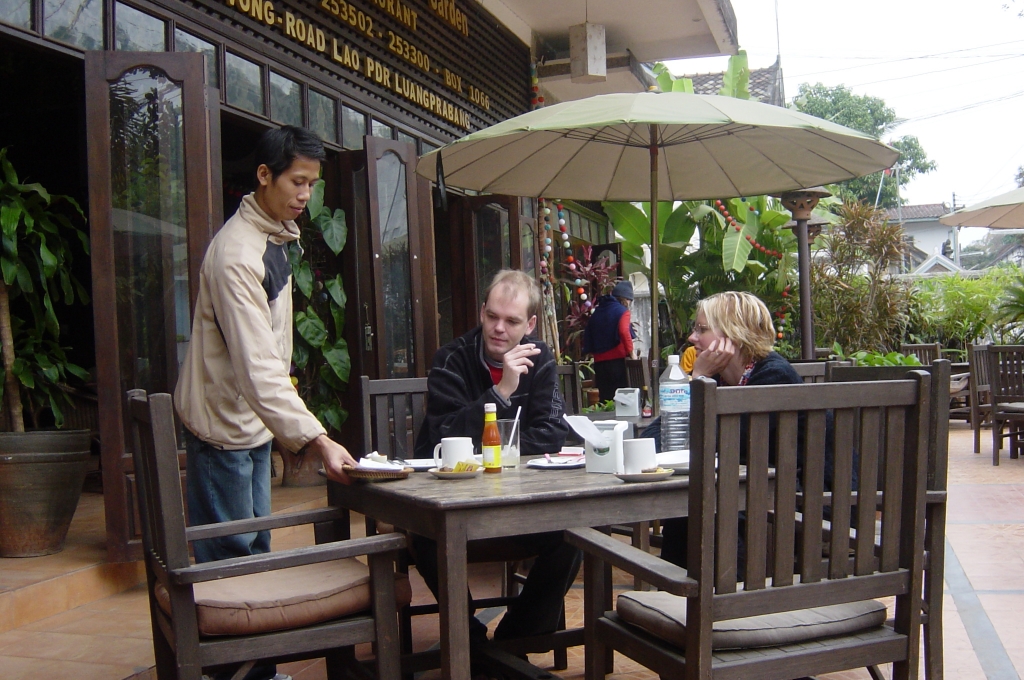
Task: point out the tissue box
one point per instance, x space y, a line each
607 459
627 401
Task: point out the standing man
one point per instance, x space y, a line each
497 363
609 337
234 393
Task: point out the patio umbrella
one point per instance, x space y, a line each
1005 211
657 146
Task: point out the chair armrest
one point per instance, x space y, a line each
649 568
273 561
244 526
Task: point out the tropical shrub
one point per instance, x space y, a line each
320 355
859 301
956 311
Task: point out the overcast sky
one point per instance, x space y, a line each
953 69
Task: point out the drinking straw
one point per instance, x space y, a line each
515 424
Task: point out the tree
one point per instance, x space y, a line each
871 116
1019 177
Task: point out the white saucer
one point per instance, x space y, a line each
468 474
421 464
647 476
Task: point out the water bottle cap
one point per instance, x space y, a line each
673 359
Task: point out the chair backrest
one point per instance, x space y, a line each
926 352
155 454
1005 373
938 434
977 356
638 374
891 420
810 371
571 388
393 412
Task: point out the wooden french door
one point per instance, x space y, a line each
487 234
153 209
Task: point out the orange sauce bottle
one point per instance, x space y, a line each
491 442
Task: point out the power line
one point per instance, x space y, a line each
893 61
928 73
959 108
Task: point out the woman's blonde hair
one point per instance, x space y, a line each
742 318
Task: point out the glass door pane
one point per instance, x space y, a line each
393 212
150 245
492 244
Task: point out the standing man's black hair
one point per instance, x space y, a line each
278 148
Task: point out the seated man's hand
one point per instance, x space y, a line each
516 364
334 456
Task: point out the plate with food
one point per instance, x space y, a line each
557 463
655 475
445 473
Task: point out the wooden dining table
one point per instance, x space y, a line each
515 502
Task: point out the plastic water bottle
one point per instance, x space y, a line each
674 402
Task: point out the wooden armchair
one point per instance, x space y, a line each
797 613
980 387
1006 396
927 352
571 387
935 510
393 412
316 601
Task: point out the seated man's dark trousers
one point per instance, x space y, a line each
538 608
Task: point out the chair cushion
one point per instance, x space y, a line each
1012 406
664 615
286 598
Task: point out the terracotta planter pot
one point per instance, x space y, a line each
593 396
301 470
41 476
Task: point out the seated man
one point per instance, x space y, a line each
493 364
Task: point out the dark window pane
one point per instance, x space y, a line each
186 42
245 84
574 223
405 137
393 214
353 128
492 235
382 130
149 228
17 12
427 147
136 31
526 206
285 100
323 118
78 22
529 259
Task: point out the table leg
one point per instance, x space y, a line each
453 604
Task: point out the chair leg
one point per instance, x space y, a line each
997 432
597 600
976 424
875 673
935 539
561 653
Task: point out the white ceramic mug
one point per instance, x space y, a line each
638 455
452 450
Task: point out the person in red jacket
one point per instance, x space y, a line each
609 337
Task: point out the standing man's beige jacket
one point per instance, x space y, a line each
234 391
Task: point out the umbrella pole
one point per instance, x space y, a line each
655 355
806 314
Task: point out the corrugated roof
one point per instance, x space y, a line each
918 212
765 84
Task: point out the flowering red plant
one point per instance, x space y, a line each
584 277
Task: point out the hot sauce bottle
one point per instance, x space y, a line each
491 442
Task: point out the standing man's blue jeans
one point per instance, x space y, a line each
224 486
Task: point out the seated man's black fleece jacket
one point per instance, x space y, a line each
459 384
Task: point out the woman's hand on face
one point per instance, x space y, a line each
715 358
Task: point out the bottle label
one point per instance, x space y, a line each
674 396
492 456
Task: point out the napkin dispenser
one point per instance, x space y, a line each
607 459
627 402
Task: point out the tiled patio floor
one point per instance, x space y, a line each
58 617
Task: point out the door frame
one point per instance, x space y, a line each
200 156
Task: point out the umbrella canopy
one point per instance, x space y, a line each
711 147
1005 211
657 146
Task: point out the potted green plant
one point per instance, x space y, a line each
320 354
41 470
